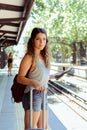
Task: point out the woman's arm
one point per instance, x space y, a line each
25 65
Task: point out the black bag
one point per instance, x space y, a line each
17 90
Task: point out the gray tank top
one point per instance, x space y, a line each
41 74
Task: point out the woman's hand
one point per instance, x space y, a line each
52 77
37 85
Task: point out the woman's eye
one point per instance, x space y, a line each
37 39
44 39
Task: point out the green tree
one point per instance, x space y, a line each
65 22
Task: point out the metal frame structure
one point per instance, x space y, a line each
13 17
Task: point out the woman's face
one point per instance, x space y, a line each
40 41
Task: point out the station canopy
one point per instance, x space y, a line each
13 17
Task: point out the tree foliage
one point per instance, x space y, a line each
64 20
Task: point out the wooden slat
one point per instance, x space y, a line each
5 31
7 36
11 24
11 7
27 8
6 20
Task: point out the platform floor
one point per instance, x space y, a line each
11 115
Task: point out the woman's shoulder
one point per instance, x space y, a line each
27 58
26 61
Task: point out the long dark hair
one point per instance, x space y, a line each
30 46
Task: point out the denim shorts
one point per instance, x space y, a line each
37 101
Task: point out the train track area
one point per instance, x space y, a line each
69 95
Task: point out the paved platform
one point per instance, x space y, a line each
11 115
7 110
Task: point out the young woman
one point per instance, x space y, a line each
10 61
37 61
